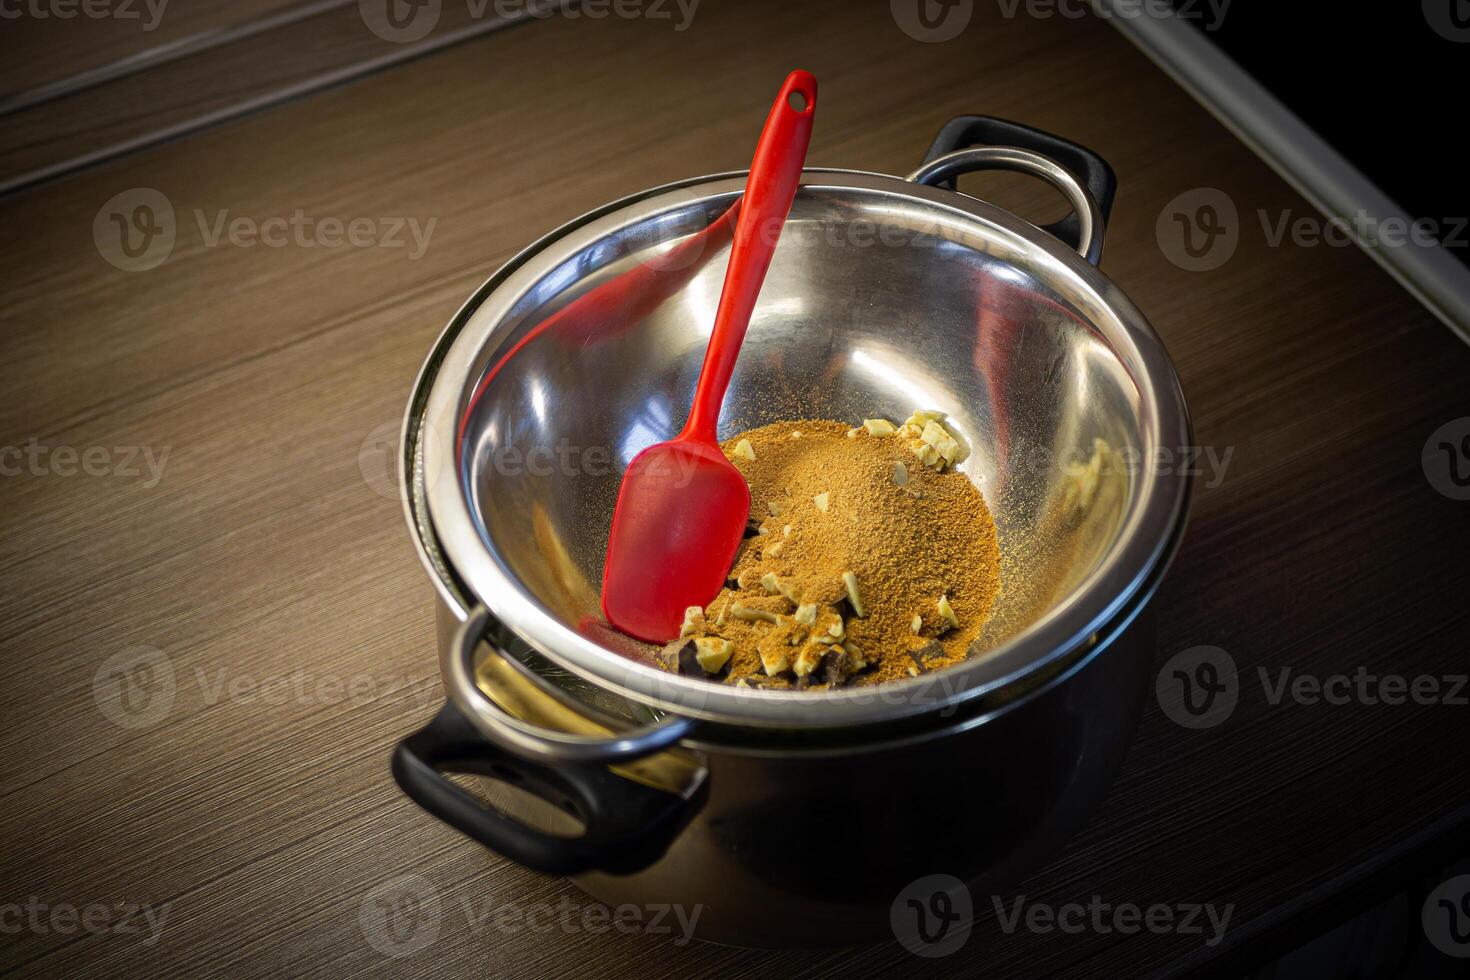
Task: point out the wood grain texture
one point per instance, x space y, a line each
274 58
47 43
261 815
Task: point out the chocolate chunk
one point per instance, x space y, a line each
678 658
844 609
835 668
923 654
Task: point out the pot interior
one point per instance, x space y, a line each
878 302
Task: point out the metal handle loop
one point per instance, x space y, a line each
1089 215
530 741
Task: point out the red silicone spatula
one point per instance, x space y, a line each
683 506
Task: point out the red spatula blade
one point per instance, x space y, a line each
680 517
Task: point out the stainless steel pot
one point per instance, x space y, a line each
885 295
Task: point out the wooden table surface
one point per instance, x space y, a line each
200 485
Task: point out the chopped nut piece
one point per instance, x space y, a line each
900 473
693 621
823 500
712 653
775 550
879 427
744 450
807 661
720 619
806 614
917 624
770 583
851 582
774 661
853 432
774 508
913 671
923 416
786 531
796 433
837 631
752 615
937 436
947 611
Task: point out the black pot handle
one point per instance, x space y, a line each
628 825
1094 172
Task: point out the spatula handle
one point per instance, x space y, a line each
774 174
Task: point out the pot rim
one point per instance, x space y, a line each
1141 546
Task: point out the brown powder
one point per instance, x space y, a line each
907 545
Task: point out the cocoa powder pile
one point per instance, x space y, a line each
863 562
